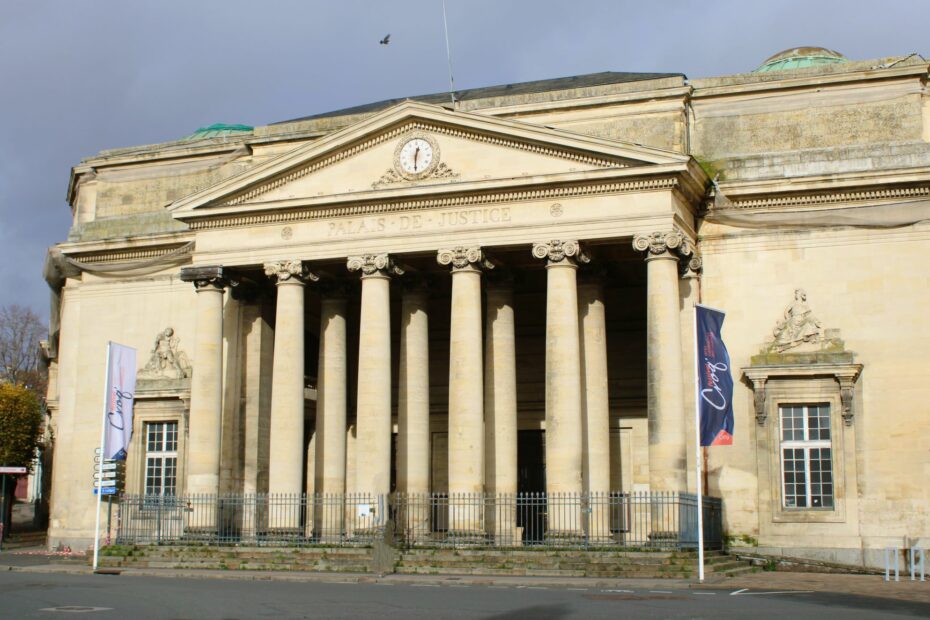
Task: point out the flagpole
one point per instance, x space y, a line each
103 435
697 447
445 26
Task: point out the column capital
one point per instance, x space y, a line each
671 244
464 258
212 277
290 272
556 251
374 265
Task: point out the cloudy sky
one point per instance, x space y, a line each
78 76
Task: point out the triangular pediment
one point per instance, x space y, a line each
368 159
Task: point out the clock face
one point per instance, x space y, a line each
416 155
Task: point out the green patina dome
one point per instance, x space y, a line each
219 130
801 58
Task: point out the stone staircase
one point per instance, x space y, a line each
323 559
29 539
430 561
567 563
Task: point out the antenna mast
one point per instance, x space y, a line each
445 26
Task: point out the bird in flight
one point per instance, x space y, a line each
386 39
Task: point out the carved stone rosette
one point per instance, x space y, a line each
212 277
671 244
290 271
558 251
373 265
464 258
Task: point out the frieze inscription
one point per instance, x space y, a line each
437 220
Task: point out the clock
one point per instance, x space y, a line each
416 156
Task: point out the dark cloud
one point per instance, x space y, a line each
78 77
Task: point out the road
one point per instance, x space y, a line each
28 595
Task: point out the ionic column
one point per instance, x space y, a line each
595 408
331 397
563 383
413 393
413 449
203 467
373 434
287 454
500 410
330 455
466 388
664 389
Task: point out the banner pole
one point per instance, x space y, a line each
103 435
697 448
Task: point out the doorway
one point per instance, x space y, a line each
531 485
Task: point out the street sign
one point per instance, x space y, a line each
104 483
106 491
12 470
107 466
107 475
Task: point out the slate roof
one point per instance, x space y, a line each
503 90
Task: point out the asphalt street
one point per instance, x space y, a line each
25 595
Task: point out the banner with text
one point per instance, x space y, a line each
121 385
715 383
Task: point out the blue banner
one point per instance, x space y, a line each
715 389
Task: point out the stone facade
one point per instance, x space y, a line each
310 293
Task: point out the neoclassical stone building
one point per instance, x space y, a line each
495 297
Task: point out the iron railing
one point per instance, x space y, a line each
588 520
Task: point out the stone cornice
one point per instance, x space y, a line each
459 195
704 88
164 241
827 190
125 255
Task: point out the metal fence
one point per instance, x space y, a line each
648 520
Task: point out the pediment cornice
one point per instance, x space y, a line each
250 190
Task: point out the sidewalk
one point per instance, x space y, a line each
859 585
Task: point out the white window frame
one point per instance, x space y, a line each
806 444
163 455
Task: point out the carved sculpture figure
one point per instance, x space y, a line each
166 360
799 325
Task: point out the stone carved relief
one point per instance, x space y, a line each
800 348
286 270
371 264
167 361
462 258
391 176
557 251
798 326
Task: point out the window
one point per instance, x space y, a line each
806 456
161 458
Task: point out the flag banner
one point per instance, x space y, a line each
715 390
121 386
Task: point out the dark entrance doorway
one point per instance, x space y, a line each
531 485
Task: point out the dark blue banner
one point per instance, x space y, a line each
715 389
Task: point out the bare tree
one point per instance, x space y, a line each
20 361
